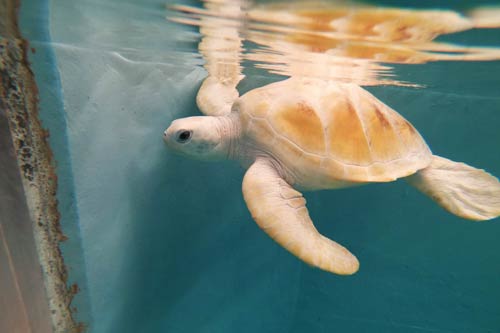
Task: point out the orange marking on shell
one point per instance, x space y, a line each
409 136
300 123
346 135
384 141
382 120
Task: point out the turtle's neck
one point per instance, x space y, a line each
229 128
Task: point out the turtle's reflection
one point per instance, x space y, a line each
354 44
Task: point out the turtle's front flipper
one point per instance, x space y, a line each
460 189
280 211
215 97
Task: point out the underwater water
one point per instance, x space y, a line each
161 243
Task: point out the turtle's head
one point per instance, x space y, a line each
197 137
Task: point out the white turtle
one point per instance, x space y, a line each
314 134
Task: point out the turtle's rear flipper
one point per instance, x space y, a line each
460 189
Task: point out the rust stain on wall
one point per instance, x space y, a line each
19 99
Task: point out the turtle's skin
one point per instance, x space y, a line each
314 134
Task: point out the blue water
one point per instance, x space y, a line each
160 243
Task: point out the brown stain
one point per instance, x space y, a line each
381 118
403 23
384 142
74 289
346 135
401 34
408 135
300 123
305 109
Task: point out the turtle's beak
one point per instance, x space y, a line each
169 135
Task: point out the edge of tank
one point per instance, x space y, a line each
35 160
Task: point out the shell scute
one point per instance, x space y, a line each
299 122
407 133
261 109
288 150
385 145
261 129
346 135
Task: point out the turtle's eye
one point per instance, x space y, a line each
183 136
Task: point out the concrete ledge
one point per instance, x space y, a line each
37 300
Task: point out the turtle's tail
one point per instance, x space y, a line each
460 189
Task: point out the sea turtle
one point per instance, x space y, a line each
311 134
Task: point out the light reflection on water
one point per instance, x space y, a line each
348 43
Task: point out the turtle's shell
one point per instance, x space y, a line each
331 131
